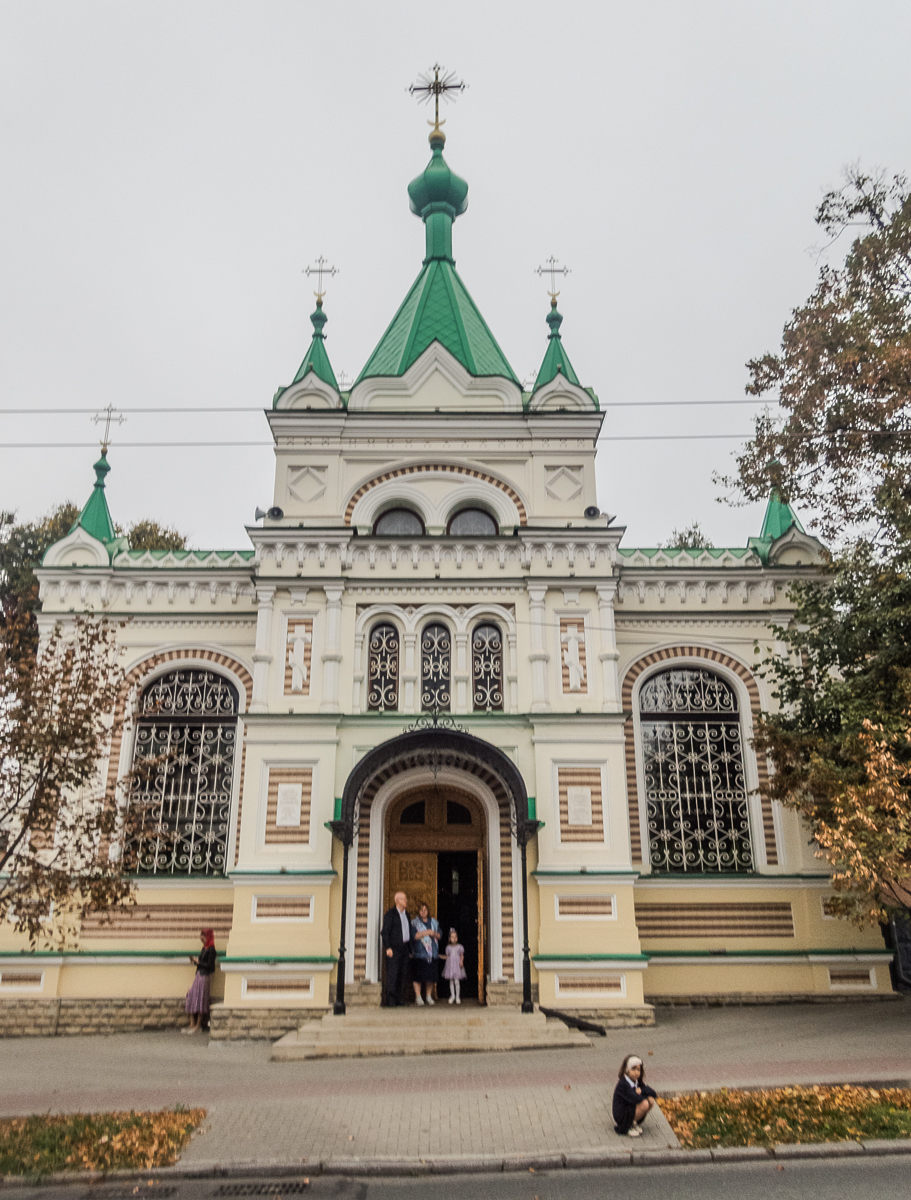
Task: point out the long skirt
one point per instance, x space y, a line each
198 995
424 970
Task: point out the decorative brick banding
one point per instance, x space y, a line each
632 788
715 920
420 468
171 922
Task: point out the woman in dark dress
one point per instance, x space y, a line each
197 1004
633 1098
425 954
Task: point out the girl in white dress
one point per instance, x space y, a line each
454 970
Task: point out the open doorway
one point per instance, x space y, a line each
435 853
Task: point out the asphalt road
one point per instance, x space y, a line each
834 1179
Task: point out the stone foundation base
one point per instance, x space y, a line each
508 992
634 1016
733 999
37 1017
361 994
238 1024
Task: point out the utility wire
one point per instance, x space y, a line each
25 412
644 437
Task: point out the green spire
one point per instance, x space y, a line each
779 518
556 360
316 359
438 307
95 518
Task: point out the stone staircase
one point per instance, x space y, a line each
443 1029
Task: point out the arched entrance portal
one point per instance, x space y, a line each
434 753
436 841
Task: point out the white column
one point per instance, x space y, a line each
610 681
262 656
539 658
461 675
409 674
332 652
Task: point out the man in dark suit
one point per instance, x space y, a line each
397 945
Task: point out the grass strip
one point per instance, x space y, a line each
38 1145
733 1117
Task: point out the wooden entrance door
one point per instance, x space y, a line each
415 874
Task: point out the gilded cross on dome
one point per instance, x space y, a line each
319 269
551 268
436 82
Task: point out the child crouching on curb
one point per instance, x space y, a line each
633 1098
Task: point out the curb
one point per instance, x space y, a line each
473 1164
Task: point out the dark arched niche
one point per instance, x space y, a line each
429 748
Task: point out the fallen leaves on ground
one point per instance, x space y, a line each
731 1117
94 1141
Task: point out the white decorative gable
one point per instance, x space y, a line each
437 382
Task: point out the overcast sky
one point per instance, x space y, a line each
169 168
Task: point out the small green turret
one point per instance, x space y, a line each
316 359
556 360
95 517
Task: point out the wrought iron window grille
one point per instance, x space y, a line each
697 805
436 668
185 749
487 669
383 669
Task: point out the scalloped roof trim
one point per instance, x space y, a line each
690 556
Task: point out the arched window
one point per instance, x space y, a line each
487 668
695 790
399 522
472 522
186 733
436 668
383 668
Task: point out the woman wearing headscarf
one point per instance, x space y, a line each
425 953
197 1003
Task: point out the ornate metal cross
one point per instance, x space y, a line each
550 268
319 269
436 82
107 415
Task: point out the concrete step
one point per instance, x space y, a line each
383 1032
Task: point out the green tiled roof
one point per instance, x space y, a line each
779 518
438 308
556 360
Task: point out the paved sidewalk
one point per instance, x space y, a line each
551 1101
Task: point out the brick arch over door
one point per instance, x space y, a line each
419 469
632 789
395 767
137 673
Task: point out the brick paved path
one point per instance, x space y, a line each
522 1102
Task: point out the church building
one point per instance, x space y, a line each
437 668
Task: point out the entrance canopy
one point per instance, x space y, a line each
435 748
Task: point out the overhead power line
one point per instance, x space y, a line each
633 437
219 408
